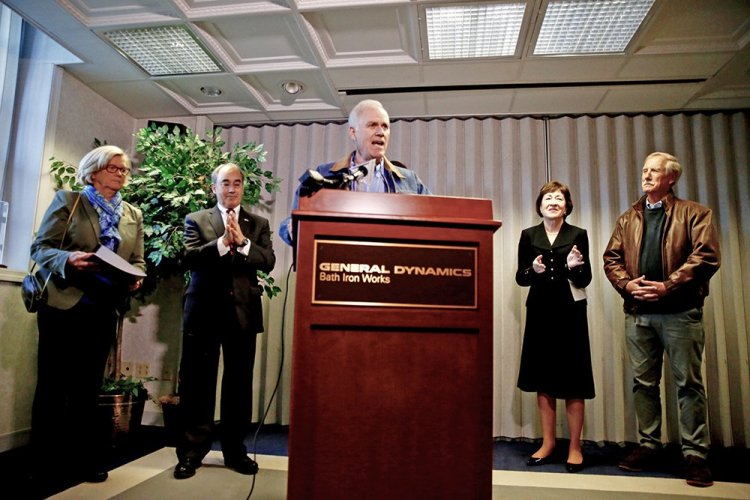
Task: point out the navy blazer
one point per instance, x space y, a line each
553 283
215 278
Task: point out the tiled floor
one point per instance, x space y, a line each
151 477
143 469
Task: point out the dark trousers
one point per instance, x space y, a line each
197 386
73 348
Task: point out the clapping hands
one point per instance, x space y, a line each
575 258
233 236
538 265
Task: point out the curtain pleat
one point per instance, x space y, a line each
507 160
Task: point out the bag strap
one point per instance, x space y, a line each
62 240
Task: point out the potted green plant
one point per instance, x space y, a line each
122 400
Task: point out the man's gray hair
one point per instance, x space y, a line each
215 173
361 106
669 162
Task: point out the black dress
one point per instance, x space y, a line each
556 357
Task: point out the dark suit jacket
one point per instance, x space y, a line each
552 285
83 234
216 279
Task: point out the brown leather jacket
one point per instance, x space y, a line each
690 254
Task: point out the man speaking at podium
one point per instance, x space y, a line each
364 169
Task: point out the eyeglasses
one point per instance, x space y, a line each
114 169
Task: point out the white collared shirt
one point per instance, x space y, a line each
373 182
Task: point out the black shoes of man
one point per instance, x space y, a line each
186 468
643 458
243 465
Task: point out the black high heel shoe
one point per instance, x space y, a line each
534 461
573 467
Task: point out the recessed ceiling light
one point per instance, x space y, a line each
212 91
590 26
292 88
481 30
164 50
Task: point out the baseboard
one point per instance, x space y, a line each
15 440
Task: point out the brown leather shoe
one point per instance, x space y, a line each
697 472
640 459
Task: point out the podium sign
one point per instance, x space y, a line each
392 353
375 274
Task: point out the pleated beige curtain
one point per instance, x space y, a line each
507 160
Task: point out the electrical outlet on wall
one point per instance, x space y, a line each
141 370
127 368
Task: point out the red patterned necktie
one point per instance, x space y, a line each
230 214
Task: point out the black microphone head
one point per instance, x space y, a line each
310 182
360 171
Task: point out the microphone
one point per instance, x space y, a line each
318 178
312 180
359 172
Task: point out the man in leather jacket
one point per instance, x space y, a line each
661 255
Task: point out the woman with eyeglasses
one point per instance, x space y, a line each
78 324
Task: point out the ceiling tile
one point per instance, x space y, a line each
566 69
364 78
141 99
315 91
472 103
234 92
478 72
656 97
697 26
556 100
388 36
259 43
651 67
345 50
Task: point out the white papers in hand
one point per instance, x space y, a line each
117 263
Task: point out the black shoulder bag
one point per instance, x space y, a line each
33 286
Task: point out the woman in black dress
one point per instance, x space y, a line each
556 358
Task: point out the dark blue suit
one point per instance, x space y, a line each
222 310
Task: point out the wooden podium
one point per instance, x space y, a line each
392 355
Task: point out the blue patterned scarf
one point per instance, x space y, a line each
109 216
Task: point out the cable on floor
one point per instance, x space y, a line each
278 379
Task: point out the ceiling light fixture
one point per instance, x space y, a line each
590 26
164 50
212 91
481 30
292 88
